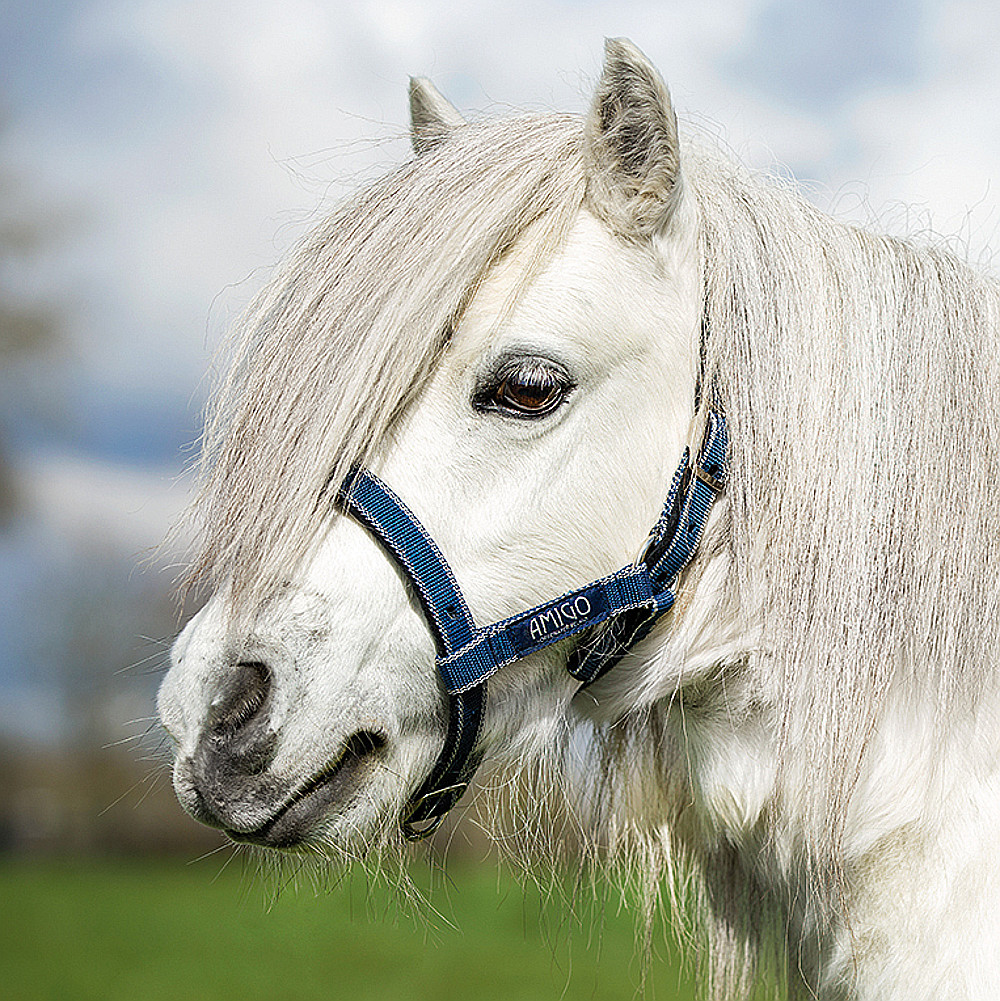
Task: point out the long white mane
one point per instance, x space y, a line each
859 375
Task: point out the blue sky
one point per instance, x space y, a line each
183 145
819 56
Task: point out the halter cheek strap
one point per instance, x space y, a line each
624 606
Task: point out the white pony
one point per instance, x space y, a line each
511 330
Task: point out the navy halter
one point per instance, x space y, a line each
625 605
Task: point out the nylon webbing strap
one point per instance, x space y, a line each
455 767
384 514
512 639
625 605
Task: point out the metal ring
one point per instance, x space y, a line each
412 833
640 557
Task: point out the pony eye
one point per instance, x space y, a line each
529 394
529 388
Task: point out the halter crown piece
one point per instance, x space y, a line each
624 605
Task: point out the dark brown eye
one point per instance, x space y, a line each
530 394
526 388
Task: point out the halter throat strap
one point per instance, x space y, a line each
624 607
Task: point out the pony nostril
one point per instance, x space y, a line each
241 698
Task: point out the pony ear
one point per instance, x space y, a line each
633 156
432 116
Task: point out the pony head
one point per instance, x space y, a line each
506 329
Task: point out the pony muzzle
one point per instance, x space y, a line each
227 782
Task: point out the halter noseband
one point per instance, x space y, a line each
625 605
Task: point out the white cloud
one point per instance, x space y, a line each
925 157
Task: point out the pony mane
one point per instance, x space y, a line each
345 335
859 375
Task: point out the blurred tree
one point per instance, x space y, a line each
26 327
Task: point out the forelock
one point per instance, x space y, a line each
341 340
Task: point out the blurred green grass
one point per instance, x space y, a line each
110 930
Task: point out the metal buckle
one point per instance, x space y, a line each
640 557
709 480
412 833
